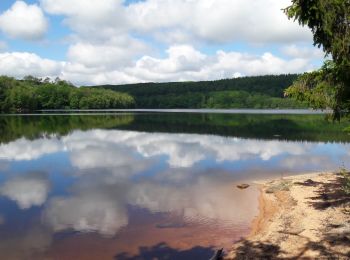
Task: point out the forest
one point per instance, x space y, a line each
30 94
246 92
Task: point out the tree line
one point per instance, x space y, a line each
30 94
246 92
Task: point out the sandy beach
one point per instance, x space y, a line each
300 217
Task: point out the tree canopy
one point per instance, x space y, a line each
245 92
32 94
329 21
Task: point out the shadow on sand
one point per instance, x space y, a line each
257 250
328 194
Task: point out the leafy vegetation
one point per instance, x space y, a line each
329 21
245 92
32 94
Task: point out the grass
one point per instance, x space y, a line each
283 185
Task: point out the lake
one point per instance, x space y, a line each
147 184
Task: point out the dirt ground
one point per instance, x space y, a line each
301 217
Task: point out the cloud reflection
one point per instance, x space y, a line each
27 191
114 148
179 173
23 149
101 206
87 211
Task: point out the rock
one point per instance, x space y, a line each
243 186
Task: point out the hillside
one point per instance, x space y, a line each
246 92
31 94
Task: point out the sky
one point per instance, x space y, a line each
128 41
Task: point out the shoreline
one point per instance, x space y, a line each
302 216
264 111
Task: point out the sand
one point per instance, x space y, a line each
301 217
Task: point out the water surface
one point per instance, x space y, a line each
147 185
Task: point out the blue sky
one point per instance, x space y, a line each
116 41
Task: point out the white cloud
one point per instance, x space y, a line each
208 20
28 191
112 54
20 64
185 63
103 48
295 51
219 20
95 20
103 64
24 21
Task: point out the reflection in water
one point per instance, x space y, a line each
100 194
28 190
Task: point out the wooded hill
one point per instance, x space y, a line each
30 94
246 92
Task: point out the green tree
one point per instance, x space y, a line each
329 21
31 94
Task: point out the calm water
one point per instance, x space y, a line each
147 185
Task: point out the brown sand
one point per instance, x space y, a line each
301 217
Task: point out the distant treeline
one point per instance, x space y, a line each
245 92
32 94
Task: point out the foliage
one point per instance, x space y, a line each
243 99
281 185
317 88
32 94
245 92
329 21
